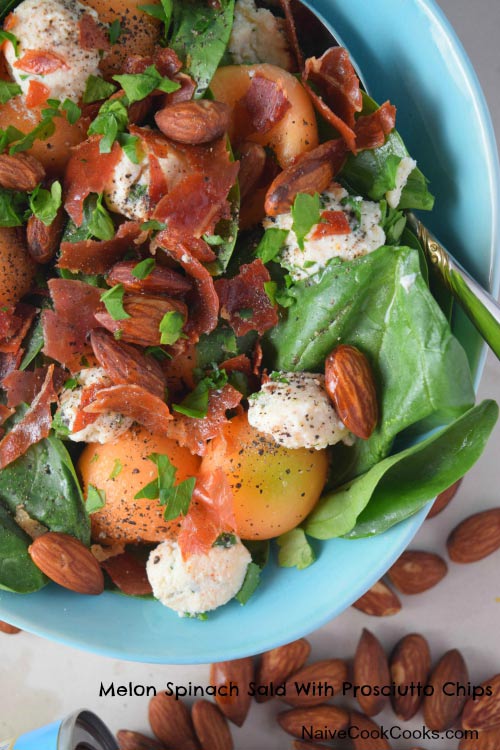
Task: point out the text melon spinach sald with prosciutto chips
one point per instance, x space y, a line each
190 224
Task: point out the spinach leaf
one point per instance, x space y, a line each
6 6
400 485
17 570
295 550
44 482
370 172
33 344
381 304
200 35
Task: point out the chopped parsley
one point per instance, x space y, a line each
96 499
113 301
153 225
97 89
46 203
171 327
73 111
8 91
353 204
111 121
271 244
225 540
115 31
195 404
175 497
7 36
138 86
117 469
144 268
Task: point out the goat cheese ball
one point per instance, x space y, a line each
365 234
127 192
258 36
49 50
403 171
295 410
200 583
106 427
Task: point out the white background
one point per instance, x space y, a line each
41 681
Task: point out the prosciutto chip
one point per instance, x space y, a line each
203 302
88 171
14 325
23 385
135 402
33 427
91 34
266 103
371 130
335 76
244 301
67 327
97 256
210 514
194 433
128 574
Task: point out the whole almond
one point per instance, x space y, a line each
299 721
316 683
194 122
484 712
211 727
349 383
475 537
236 675
371 669
8 629
278 664
311 173
322 681
20 172
43 241
252 163
161 280
362 724
441 710
128 740
145 312
379 601
68 562
171 723
487 740
443 500
409 664
417 571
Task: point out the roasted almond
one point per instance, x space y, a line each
349 383
142 327
316 683
488 739
475 537
366 734
311 173
125 363
161 280
379 601
236 673
484 712
20 172
211 727
8 629
409 665
252 163
128 740
416 571
68 562
440 709
43 241
443 499
276 665
372 670
171 723
314 719
194 122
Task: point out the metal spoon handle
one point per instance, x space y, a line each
481 308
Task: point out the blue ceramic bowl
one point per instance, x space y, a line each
407 52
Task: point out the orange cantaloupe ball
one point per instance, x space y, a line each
139 31
17 269
123 518
54 152
274 488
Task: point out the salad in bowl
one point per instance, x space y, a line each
216 328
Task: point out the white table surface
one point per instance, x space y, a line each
41 681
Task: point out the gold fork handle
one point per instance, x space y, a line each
481 307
